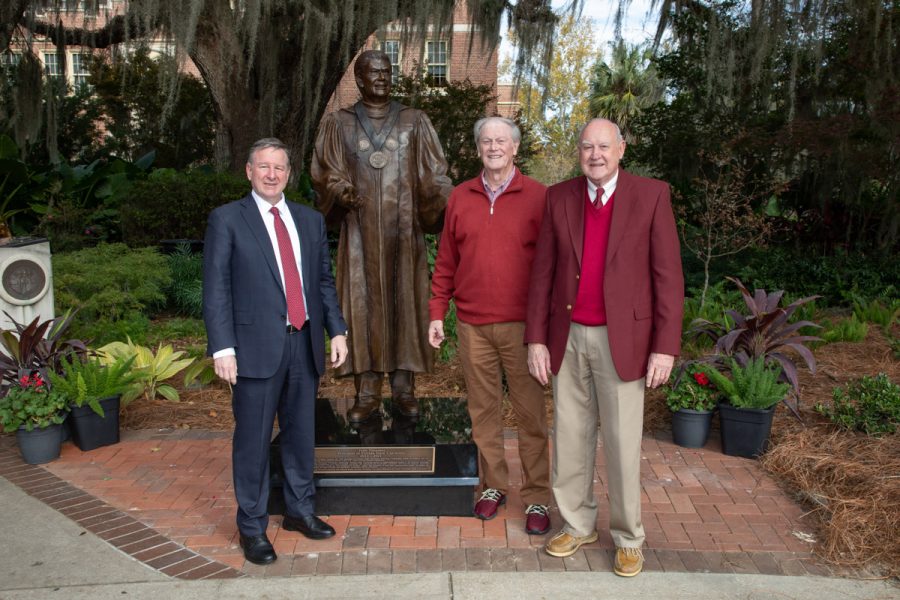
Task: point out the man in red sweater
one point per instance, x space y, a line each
604 317
483 264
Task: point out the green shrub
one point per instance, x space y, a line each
838 278
111 285
185 293
868 404
846 330
883 314
173 204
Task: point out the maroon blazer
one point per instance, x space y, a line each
643 285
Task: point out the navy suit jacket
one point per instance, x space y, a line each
244 304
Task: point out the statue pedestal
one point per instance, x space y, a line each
416 478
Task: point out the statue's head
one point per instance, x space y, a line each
373 75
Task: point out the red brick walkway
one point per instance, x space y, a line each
703 511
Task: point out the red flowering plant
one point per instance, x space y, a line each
30 403
691 390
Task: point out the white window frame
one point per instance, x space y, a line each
80 70
434 50
51 65
395 57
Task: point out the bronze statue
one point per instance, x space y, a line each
381 177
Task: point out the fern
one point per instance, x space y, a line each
90 381
755 385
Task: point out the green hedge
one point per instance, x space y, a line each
175 204
114 288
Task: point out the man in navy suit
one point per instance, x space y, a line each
268 298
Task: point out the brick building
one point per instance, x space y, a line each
446 56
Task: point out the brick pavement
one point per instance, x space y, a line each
166 498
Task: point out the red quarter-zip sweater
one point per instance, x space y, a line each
485 255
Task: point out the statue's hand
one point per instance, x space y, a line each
350 199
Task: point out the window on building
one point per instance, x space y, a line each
51 65
8 63
392 49
81 72
436 61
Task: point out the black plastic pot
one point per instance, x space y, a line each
90 430
690 428
40 446
745 431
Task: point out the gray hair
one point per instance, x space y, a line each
269 142
619 137
514 129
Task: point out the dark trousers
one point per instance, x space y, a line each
291 394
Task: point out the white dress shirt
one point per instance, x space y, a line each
269 220
608 189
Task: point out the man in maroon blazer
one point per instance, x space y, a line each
604 317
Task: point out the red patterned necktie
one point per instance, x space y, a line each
292 284
598 200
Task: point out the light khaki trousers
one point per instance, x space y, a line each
587 387
484 351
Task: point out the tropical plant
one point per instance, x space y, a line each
691 390
623 88
29 402
767 333
200 372
89 381
152 370
36 347
752 385
868 404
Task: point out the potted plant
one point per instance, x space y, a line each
751 395
35 413
767 333
93 391
692 399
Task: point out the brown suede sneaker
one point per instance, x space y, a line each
565 544
629 562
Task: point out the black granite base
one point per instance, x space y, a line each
448 491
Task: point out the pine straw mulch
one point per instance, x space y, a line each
849 482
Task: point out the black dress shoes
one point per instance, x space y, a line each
258 549
310 525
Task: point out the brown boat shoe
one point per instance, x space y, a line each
565 544
629 562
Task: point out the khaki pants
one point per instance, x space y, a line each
484 350
587 387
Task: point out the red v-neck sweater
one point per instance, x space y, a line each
590 307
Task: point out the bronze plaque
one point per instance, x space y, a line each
345 460
24 279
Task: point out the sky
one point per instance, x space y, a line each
635 29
